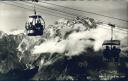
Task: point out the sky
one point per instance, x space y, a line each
14 18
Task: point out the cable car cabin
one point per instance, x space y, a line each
35 26
111 50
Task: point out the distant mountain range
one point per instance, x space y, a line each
68 50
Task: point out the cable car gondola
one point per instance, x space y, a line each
111 48
36 24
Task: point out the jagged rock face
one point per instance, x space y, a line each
9 53
64 27
64 68
58 32
66 51
17 48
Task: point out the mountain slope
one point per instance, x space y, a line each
68 50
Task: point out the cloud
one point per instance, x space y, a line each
78 42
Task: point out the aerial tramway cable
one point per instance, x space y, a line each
38 9
86 11
79 15
48 13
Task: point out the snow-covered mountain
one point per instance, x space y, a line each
68 50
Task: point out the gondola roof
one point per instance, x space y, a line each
35 16
111 42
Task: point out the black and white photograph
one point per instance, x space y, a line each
82 40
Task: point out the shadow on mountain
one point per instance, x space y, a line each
18 74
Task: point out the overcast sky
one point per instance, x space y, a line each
13 18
